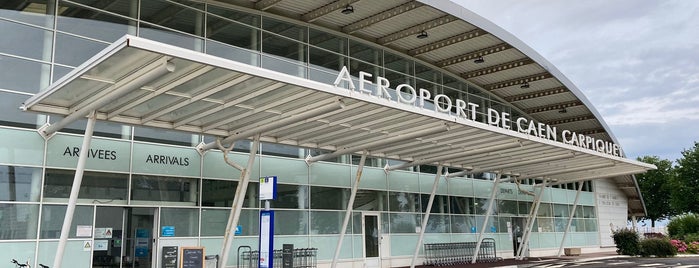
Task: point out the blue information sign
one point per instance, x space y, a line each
239 230
167 231
266 238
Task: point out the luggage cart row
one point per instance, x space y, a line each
440 254
303 258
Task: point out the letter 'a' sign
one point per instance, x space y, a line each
268 188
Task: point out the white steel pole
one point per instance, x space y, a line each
570 219
75 190
427 215
348 212
238 203
487 216
530 224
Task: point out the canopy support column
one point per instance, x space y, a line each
348 212
491 201
570 219
427 215
523 246
238 200
73 199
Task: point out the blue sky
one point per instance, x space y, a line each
636 61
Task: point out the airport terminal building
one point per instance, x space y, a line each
388 124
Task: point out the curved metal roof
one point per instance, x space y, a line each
456 37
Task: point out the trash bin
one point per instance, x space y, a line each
211 261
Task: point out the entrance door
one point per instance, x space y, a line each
517 232
140 242
372 239
124 237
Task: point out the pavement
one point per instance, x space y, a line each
528 262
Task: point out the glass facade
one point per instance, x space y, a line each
43 40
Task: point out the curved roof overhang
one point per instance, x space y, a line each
456 37
142 82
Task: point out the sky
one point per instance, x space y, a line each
637 61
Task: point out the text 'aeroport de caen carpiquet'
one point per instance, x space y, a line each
407 94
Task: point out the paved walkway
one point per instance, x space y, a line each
512 263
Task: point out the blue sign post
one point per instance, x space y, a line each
268 191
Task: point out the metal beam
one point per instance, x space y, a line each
394 139
570 219
238 200
518 81
571 170
266 4
570 119
75 190
554 107
209 88
489 211
136 80
507 145
416 29
427 215
524 163
447 42
537 94
318 13
350 207
474 54
381 16
524 245
497 68
243 134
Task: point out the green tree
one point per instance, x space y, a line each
656 188
686 183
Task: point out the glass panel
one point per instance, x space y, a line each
52 220
170 37
428 73
370 200
122 7
87 22
437 224
404 202
404 222
290 222
329 198
101 129
291 196
216 193
397 63
328 41
232 53
327 222
21 75
545 210
19 183
184 220
461 205
283 47
365 53
463 224
440 204
214 221
25 41
232 33
327 61
545 224
165 136
138 246
282 150
480 206
284 28
169 189
234 15
108 229
33 13
174 16
102 187
18 221
283 66
560 210
73 51
371 236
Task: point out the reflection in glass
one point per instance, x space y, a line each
290 222
185 220
167 189
327 222
18 221
19 183
99 186
52 220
